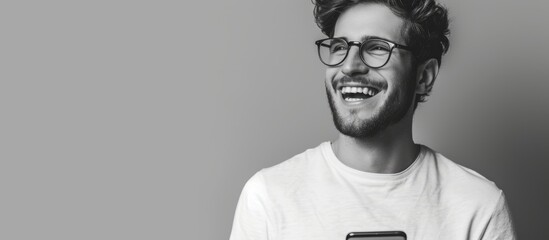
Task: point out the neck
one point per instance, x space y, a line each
390 151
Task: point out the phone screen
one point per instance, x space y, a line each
393 235
378 238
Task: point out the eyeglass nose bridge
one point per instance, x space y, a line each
359 45
354 43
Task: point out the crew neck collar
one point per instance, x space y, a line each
333 161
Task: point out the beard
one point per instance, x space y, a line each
393 109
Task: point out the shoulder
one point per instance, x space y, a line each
298 163
459 183
464 194
291 173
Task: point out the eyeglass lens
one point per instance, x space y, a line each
374 52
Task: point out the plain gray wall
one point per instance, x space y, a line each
144 119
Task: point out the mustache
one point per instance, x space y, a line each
359 80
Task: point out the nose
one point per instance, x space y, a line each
353 64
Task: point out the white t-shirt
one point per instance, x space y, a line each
314 196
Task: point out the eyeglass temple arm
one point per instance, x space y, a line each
401 46
323 44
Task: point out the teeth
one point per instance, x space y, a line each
364 90
369 92
353 99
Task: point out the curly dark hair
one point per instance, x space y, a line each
425 24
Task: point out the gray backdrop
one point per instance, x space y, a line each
144 119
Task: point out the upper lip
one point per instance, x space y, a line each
347 81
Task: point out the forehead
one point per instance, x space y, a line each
369 19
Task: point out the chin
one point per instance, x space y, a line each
358 128
354 123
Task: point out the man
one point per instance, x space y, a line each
383 57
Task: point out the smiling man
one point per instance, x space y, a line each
382 59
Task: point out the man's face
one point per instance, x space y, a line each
393 84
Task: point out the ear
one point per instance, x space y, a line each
426 74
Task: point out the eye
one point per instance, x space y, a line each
338 47
377 48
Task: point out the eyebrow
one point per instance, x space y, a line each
364 38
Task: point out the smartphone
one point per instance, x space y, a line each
390 235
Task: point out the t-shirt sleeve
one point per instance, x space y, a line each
250 219
500 226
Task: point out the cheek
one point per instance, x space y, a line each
398 80
330 75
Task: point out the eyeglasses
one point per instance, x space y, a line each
374 52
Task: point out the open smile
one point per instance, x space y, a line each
357 94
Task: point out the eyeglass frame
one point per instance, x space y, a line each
360 45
